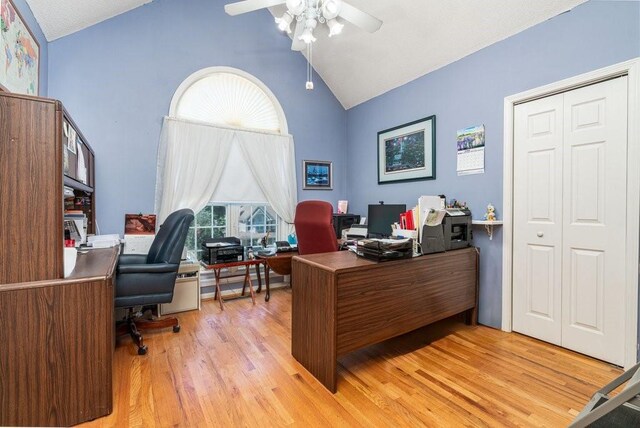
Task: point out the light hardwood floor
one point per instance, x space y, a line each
234 368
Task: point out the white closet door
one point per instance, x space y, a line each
537 216
594 219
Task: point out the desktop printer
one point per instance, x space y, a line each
356 231
222 250
452 233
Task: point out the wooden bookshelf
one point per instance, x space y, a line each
57 333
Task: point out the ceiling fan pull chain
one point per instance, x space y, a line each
309 84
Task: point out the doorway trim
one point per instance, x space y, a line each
631 69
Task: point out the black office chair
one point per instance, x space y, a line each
149 279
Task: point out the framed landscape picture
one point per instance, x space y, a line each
317 175
19 52
408 152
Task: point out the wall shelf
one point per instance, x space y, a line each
488 225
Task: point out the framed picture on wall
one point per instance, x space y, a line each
317 175
407 152
139 224
19 52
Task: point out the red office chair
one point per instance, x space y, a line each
314 227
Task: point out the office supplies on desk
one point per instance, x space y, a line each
385 249
445 230
413 234
425 204
222 250
103 241
72 230
356 231
284 247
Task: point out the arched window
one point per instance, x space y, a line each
229 97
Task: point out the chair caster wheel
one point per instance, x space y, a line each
176 328
142 350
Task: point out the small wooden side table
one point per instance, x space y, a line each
217 268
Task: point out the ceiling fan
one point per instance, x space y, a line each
307 14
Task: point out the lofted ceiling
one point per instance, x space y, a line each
59 18
416 38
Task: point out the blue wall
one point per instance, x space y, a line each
470 92
26 13
117 79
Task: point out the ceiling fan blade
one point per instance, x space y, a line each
360 18
250 5
297 44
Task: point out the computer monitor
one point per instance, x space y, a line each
381 217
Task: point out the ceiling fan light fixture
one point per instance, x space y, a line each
335 27
331 8
296 7
307 36
284 22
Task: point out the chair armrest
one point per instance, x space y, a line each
132 259
148 268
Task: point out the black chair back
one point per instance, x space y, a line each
169 241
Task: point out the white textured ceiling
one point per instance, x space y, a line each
58 18
417 36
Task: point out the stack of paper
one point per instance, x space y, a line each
103 241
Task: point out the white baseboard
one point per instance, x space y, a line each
235 292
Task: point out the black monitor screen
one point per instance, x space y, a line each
381 217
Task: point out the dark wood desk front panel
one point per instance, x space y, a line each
393 298
342 303
56 346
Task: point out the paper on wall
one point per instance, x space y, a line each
470 145
82 168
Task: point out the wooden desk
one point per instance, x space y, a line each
56 345
280 263
342 302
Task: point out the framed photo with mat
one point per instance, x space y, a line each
317 175
408 152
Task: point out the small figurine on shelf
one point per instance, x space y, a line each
490 215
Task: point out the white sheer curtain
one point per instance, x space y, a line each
271 159
192 159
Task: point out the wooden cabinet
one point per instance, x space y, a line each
33 149
56 334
